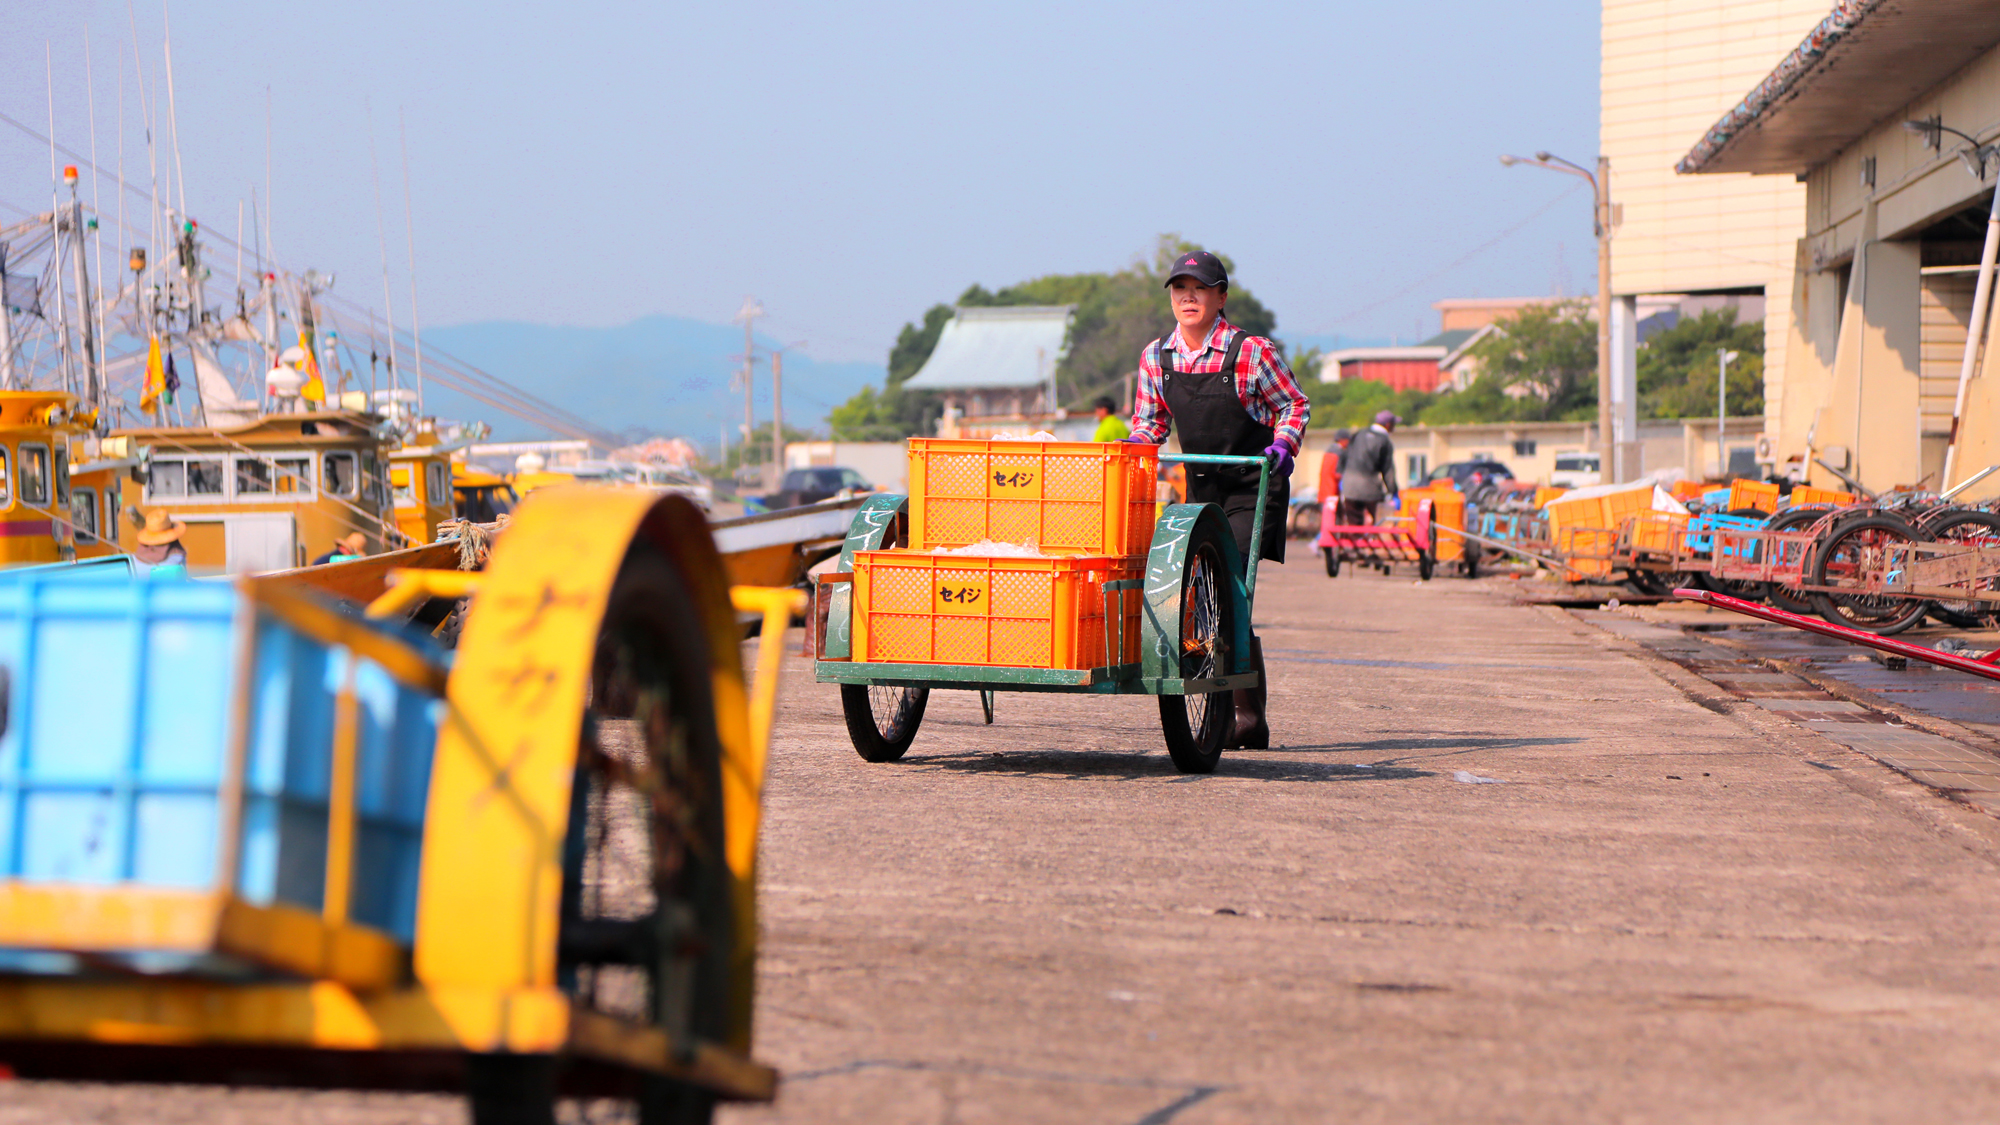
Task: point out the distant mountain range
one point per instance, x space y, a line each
656 375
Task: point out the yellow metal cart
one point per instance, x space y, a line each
329 853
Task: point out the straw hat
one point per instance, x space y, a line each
353 543
160 528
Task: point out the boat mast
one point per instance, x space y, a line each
92 372
6 327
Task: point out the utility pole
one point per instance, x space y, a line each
1606 438
777 474
1723 356
748 314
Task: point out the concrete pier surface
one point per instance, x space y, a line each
1503 862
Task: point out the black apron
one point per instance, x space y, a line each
1212 420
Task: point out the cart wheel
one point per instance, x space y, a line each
1749 591
1332 562
1470 566
1197 725
1426 565
1646 583
1790 598
648 928
882 720
511 1089
1971 527
1842 555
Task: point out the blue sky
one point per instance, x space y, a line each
590 164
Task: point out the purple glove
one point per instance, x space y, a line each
1280 458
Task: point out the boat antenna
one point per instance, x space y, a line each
96 211
55 228
382 237
410 229
173 117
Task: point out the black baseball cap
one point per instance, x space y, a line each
1200 265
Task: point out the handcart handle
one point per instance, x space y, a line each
1256 522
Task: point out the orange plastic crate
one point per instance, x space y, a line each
1547 492
1802 494
1066 497
1657 531
1759 494
913 607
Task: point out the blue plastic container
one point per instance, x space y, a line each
1732 548
112 766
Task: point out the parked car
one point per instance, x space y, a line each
810 486
1468 475
1576 470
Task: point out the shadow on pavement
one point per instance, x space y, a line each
1444 745
1083 764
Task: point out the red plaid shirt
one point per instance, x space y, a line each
1264 385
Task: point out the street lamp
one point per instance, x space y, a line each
1600 188
1723 358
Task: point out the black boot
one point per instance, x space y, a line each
1251 731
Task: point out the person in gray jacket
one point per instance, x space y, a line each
1368 471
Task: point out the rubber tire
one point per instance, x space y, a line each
870 741
510 1089
1469 565
1795 519
1909 611
1198 751
1426 566
1932 529
1647 583
1332 562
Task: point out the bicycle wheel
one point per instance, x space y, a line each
1869 549
1973 528
1196 725
882 720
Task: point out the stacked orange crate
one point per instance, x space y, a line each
1087 507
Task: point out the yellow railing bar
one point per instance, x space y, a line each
777 604
340 799
410 588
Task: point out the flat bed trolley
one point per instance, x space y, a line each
1180 632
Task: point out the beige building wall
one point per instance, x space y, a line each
1671 68
1878 335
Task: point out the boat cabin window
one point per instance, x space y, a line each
205 476
166 478
338 476
253 477
6 480
114 503
374 486
34 474
399 480
62 476
83 514
293 476
437 483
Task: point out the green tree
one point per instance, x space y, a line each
1678 368
1541 366
1117 315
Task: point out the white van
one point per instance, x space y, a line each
1576 470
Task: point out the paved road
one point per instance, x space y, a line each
1674 905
